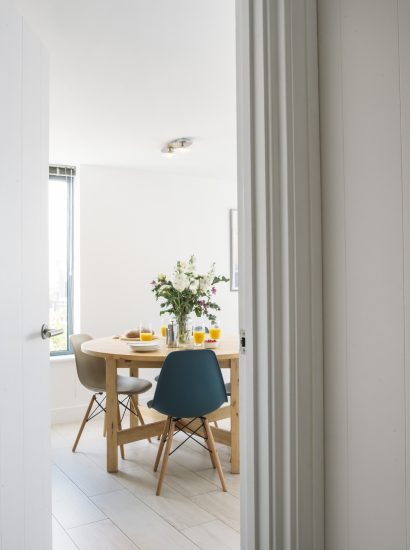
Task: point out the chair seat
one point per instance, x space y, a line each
126 385
129 385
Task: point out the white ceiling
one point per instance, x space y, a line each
128 75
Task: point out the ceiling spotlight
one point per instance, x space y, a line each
169 152
185 144
180 145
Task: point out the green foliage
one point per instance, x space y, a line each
188 291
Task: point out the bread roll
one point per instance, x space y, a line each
134 333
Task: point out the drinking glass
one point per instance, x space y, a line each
146 333
215 330
199 334
163 327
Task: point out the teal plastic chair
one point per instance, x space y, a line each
190 386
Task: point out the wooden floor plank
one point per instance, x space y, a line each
101 535
214 536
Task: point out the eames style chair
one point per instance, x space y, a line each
91 373
190 386
228 394
227 387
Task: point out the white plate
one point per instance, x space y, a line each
211 345
144 346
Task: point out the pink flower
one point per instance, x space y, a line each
213 290
153 282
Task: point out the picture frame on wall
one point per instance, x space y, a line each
233 217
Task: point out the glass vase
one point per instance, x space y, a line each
184 331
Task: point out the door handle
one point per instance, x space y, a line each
50 332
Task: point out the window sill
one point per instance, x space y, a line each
61 358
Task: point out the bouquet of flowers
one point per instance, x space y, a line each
187 292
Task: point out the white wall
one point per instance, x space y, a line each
134 225
364 66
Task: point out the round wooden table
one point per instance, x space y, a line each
117 354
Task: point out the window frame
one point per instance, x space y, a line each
67 173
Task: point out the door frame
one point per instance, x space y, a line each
282 485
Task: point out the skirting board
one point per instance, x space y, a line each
65 415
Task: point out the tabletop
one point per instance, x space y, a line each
113 347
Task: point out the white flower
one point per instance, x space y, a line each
194 285
181 282
161 276
183 265
203 284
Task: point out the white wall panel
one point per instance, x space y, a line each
365 234
404 49
334 280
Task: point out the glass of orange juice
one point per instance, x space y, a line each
199 334
215 330
163 327
146 333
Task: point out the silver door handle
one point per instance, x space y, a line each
50 332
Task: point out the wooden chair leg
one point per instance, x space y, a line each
211 454
138 413
105 425
166 455
83 423
120 428
134 420
161 444
211 443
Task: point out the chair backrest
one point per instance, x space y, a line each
90 370
190 384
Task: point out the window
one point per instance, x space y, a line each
61 182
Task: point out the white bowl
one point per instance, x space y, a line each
153 345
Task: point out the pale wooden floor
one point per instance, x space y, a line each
94 510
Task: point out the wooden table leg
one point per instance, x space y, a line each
112 414
134 371
234 415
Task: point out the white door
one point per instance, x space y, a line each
25 499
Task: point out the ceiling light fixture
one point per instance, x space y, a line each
168 152
180 145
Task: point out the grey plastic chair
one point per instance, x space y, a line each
91 373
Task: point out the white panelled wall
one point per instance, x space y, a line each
132 226
364 66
